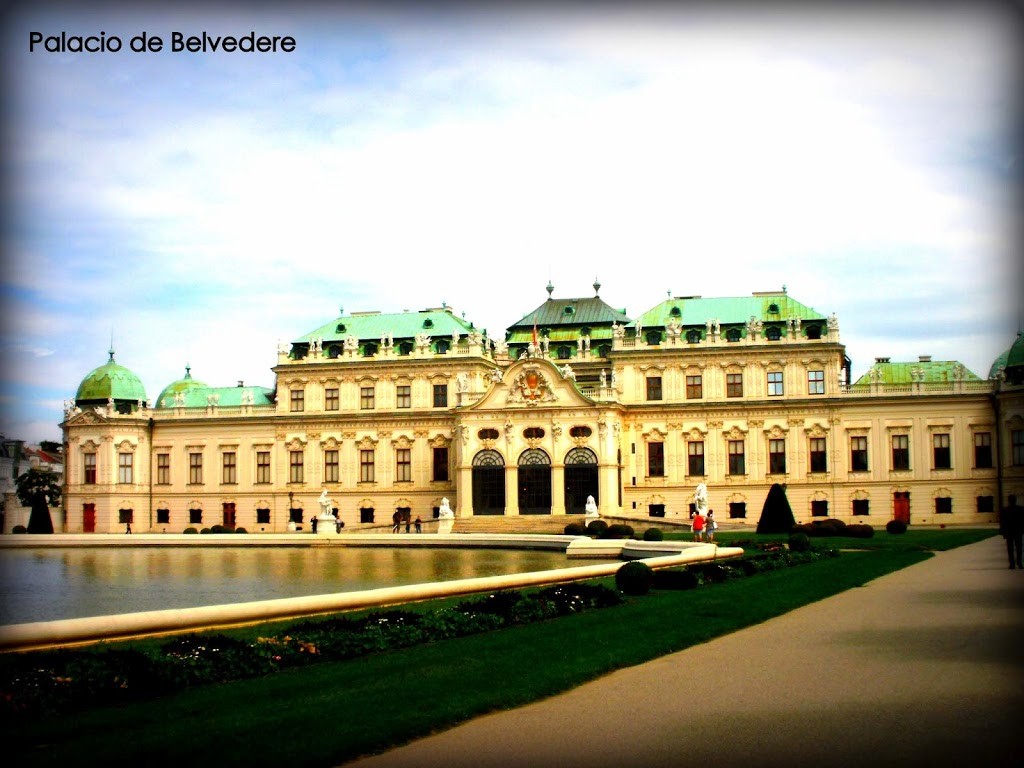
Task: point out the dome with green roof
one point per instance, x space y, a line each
1011 361
181 386
111 382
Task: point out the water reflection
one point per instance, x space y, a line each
47 584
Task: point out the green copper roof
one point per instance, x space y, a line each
181 385
576 313
370 326
110 381
696 310
932 372
225 397
1011 358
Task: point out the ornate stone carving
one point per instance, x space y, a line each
531 387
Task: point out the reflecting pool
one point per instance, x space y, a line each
46 584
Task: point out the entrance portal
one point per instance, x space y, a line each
534 483
488 483
901 506
580 480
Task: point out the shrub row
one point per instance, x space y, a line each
637 578
599 529
834 527
51 682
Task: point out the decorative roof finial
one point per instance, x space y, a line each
597 287
341 310
783 287
188 371
550 289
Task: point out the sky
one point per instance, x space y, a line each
201 207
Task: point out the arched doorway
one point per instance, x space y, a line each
488 483
580 480
534 483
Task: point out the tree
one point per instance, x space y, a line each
39 490
50 446
776 515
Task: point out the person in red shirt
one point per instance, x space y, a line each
698 526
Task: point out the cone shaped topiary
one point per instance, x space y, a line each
776 515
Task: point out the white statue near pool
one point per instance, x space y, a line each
591 509
326 522
445 517
700 498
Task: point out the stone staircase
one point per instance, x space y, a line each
515 523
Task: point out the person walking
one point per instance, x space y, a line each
1011 526
312 523
419 524
710 525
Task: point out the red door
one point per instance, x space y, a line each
229 515
89 518
901 506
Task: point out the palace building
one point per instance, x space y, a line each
394 412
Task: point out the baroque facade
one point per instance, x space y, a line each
394 412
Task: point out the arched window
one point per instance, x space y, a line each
813 331
693 337
733 334
772 333
653 338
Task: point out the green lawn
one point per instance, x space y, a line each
332 712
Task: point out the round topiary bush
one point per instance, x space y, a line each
597 528
19 529
634 578
618 531
190 530
240 530
896 526
575 529
205 530
860 531
799 542
653 534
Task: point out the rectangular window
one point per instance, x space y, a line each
815 382
163 469
859 454
89 463
125 466
403 396
367 398
901 452
195 516
943 505
737 509
694 387
296 467
295 515
654 387
262 466
163 517
777 456
655 459
695 457
440 395
229 475
940 451
298 399
983 450
819 458
331 466
1017 447
986 503
403 465
861 506
440 470
195 468
734 385
331 400
125 516
819 508
367 472
774 383
737 458
263 516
